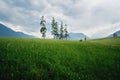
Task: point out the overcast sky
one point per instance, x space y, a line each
95 18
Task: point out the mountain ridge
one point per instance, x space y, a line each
117 34
77 36
8 32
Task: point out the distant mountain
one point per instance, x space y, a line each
77 36
117 33
7 32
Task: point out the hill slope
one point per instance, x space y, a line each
117 33
7 32
35 59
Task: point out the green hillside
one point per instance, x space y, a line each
38 59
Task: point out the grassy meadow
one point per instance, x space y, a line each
38 59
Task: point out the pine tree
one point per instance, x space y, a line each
43 27
54 28
65 32
61 36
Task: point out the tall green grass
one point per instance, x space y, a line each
37 59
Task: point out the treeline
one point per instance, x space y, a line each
57 32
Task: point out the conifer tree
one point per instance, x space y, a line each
54 31
66 32
61 36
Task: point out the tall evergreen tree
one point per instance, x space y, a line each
54 31
53 27
43 27
66 32
61 36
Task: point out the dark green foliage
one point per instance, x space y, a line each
61 35
65 32
54 31
35 59
43 27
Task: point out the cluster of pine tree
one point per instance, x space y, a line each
58 33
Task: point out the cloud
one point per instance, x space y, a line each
95 18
